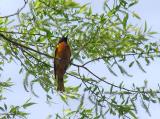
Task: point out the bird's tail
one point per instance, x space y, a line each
60 86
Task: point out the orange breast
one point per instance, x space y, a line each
63 50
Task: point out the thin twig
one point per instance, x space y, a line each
113 56
16 32
18 11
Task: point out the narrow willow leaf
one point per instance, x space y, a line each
131 64
64 98
153 101
145 27
71 3
147 61
152 33
1 108
144 105
133 3
21 70
123 71
90 11
139 65
111 89
145 97
72 96
5 106
136 15
133 115
31 87
25 82
67 111
81 102
123 3
133 104
111 71
83 8
23 114
125 21
28 104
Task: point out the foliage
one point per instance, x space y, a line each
108 37
12 112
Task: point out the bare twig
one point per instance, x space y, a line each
18 11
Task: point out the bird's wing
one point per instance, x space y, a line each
69 56
55 62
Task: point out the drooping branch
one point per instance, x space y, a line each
128 90
76 65
23 46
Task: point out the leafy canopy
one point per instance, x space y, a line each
108 37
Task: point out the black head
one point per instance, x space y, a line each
63 39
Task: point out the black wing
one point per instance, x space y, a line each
55 63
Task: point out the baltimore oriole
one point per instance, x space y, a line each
61 62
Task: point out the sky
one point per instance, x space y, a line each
147 9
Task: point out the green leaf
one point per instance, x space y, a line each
32 89
71 3
64 98
131 64
72 96
145 27
83 8
25 81
139 65
123 3
133 3
153 101
147 61
81 102
123 71
111 89
37 4
5 106
21 70
14 109
144 105
67 111
152 33
90 11
133 115
28 105
23 114
1 108
111 71
125 19
145 97
136 15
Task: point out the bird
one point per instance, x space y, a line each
61 61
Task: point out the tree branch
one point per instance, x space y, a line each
23 46
14 32
113 56
76 65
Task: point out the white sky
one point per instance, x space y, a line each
148 10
